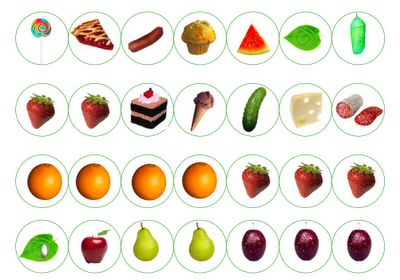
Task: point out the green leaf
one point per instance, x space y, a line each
33 250
304 37
104 232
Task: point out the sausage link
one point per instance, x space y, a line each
146 40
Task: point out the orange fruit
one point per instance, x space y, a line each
44 181
149 182
93 181
199 180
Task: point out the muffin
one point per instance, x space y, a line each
198 36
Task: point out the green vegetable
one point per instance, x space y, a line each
34 250
357 33
304 37
250 114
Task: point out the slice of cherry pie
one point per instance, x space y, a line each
92 33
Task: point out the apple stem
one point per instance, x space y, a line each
141 225
197 225
252 224
305 225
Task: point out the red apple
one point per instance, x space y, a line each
94 248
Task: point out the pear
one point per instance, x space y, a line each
145 247
201 247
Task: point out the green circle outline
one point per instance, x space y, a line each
330 243
333 105
329 181
119 238
207 13
16 32
267 88
260 13
217 227
218 128
330 31
172 240
167 196
66 173
81 203
16 114
383 252
48 221
69 109
169 25
222 194
330 105
246 206
119 37
383 187
170 99
277 239
380 51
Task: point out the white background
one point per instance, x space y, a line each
174 145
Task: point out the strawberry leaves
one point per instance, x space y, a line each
363 169
257 169
310 168
42 99
97 99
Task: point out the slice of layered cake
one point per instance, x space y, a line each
148 110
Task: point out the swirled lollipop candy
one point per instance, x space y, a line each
41 28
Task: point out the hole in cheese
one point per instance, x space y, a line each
311 112
306 100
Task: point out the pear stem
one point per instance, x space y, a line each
197 225
141 225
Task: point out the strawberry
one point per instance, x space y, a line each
361 179
255 179
40 110
95 110
308 178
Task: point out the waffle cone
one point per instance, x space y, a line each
198 114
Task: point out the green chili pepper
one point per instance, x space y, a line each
357 33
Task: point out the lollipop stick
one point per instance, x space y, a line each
41 52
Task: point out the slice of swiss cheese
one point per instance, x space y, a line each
306 108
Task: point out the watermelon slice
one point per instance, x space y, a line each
253 43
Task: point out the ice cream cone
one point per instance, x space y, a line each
198 114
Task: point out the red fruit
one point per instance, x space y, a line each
95 110
40 110
361 179
306 244
94 248
359 245
148 93
255 179
308 179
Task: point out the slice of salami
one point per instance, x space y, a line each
368 115
349 106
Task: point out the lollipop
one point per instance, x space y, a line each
40 28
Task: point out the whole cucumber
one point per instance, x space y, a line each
250 114
357 33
